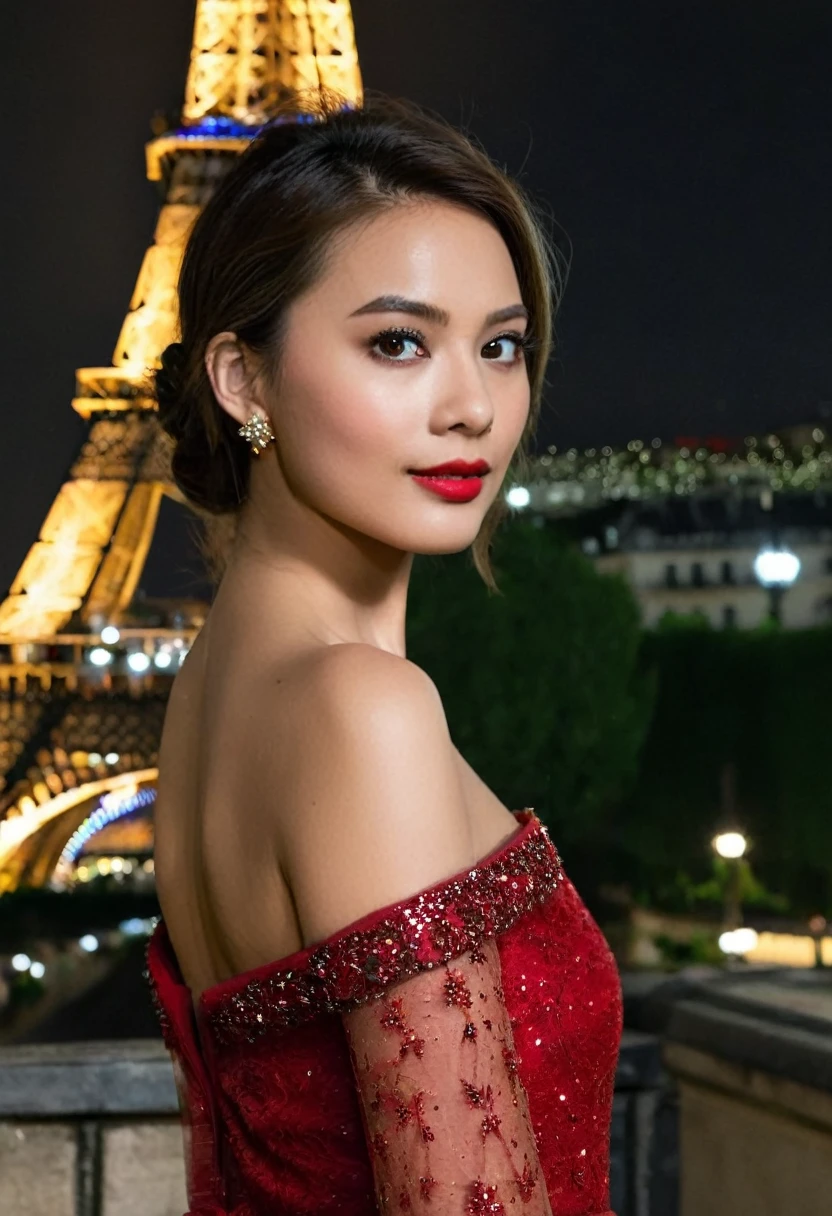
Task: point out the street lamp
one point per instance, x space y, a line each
776 570
731 846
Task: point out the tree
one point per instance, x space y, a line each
755 699
542 685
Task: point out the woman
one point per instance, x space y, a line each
379 989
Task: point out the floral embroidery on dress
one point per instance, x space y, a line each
451 1112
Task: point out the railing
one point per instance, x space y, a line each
92 1129
750 1054
24 659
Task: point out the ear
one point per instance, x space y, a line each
235 388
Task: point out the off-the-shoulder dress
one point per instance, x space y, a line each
451 1054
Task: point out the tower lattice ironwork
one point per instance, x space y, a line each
71 734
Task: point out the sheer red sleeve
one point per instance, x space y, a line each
444 1110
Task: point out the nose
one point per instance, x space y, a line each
465 402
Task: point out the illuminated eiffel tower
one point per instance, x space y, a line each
81 706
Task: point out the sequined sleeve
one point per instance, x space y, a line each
444 1110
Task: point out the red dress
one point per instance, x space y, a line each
451 1054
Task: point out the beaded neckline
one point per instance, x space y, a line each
359 961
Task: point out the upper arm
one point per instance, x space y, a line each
445 1112
373 803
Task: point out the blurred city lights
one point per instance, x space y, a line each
37 970
100 657
21 962
88 942
730 845
738 941
518 496
138 661
110 635
136 926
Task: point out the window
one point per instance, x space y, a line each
670 576
697 575
727 573
729 616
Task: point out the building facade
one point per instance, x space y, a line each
684 522
697 556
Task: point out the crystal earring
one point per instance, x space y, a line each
258 432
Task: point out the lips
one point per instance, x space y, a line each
455 480
455 468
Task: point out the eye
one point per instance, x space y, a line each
498 347
396 345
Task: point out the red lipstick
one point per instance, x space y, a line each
455 480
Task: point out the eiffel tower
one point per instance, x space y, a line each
84 674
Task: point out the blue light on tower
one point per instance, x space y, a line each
103 815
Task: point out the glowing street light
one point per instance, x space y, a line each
738 942
776 570
730 845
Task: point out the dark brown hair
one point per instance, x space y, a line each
261 241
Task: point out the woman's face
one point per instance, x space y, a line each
406 354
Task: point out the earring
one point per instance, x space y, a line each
258 432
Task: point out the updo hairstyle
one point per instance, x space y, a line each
261 241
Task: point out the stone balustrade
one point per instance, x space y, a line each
92 1129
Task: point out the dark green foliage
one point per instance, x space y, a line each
682 894
24 990
758 700
542 686
618 738
699 949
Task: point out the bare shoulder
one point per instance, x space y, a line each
374 809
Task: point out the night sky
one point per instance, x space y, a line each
685 151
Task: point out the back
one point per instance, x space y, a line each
299 793
453 1053
389 1010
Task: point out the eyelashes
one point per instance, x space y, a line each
402 334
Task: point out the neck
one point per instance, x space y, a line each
321 579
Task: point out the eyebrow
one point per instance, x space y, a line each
430 312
